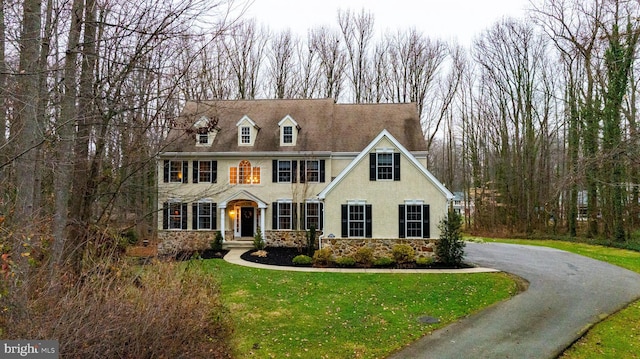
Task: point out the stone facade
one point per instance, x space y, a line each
344 247
294 239
172 242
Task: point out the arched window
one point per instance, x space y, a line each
244 174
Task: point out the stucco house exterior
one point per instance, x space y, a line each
355 172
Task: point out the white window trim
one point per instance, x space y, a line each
364 218
306 212
290 203
306 170
291 174
406 218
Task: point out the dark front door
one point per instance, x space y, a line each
246 222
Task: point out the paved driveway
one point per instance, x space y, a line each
567 294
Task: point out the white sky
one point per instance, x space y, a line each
460 20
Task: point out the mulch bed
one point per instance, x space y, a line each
283 256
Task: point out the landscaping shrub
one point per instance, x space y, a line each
302 260
364 256
311 240
383 262
258 241
165 311
450 248
403 253
323 257
345 262
424 261
216 243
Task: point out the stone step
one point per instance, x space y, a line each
237 244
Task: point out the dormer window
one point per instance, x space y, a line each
203 138
288 131
245 135
287 134
205 131
247 131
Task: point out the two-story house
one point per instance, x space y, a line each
355 172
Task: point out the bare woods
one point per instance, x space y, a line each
535 123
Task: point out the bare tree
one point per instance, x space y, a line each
281 63
245 46
357 32
326 44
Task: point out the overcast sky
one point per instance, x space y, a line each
459 20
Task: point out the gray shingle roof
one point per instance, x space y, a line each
324 125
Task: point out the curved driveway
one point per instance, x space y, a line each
567 294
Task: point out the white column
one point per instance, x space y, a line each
223 219
262 215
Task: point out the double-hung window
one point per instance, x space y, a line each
384 165
284 214
413 221
312 171
174 215
356 220
312 215
205 171
204 215
245 135
175 171
287 134
284 171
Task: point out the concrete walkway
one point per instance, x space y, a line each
567 294
234 257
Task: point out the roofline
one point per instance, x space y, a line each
247 154
399 146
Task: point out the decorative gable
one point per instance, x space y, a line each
247 131
289 129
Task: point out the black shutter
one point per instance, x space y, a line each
274 217
367 221
214 171
196 167
166 171
185 171
426 232
321 219
303 224
194 216
321 171
214 215
372 167
274 171
345 221
302 170
294 215
294 172
184 215
396 167
165 215
401 223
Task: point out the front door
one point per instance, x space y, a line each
247 220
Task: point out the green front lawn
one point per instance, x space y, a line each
619 335
280 314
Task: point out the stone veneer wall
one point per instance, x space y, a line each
288 238
172 242
344 247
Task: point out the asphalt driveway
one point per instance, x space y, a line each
567 294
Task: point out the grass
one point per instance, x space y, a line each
618 336
281 314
